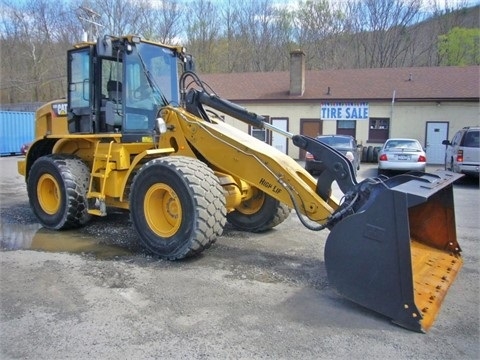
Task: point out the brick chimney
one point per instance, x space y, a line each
297 73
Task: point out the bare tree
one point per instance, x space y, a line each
226 36
160 20
381 28
32 41
231 57
117 17
317 26
261 31
445 15
203 31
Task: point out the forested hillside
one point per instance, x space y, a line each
235 36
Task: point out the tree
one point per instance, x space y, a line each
231 58
460 47
263 35
118 17
203 29
381 27
233 36
33 36
443 15
160 21
317 26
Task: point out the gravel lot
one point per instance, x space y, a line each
93 294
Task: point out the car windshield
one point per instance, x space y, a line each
403 145
334 141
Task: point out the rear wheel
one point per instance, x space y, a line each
177 207
57 188
259 213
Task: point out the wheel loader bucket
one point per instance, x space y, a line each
398 254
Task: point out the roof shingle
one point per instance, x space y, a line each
453 83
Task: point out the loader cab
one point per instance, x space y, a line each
120 84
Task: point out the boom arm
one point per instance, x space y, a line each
338 167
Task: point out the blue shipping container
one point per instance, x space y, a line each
16 129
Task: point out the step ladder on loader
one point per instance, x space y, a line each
101 168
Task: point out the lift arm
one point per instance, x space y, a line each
338 167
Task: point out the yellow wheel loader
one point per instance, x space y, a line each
139 131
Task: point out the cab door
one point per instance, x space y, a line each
80 91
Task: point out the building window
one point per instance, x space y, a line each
260 134
346 127
378 130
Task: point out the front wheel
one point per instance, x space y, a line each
259 213
57 188
177 207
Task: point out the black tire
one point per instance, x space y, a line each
260 213
370 154
177 207
375 154
364 154
57 188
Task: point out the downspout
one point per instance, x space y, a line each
393 103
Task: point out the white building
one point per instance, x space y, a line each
426 103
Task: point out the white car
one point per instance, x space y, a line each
401 154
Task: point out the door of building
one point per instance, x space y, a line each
436 132
312 128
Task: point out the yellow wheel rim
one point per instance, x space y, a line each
48 194
252 205
163 210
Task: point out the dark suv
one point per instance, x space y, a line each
463 152
345 144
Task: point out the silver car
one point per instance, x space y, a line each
401 154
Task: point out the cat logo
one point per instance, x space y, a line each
60 109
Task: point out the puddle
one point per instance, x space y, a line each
35 237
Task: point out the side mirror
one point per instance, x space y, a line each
104 46
446 142
189 63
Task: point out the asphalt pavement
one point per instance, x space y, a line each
92 293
